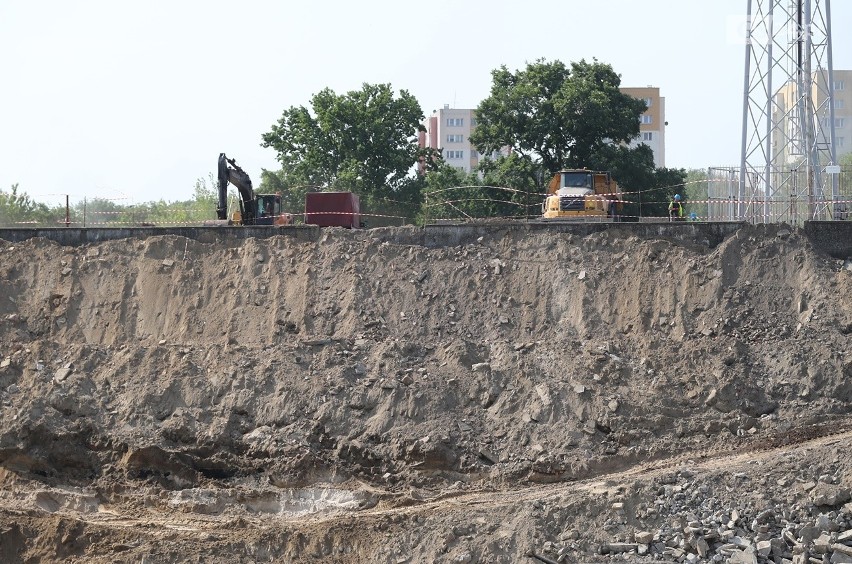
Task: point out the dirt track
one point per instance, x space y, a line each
355 400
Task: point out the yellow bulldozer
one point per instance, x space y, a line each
578 194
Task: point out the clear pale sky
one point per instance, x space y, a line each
135 100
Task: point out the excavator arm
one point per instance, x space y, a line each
231 173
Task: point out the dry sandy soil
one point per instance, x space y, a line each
547 398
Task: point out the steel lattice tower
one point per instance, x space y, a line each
788 165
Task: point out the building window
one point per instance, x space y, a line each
838 122
646 119
841 141
647 136
473 122
839 104
453 155
455 138
455 122
473 154
647 101
838 85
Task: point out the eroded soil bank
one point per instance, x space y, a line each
553 398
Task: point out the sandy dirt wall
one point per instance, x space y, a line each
280 398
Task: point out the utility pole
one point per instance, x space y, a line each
788 112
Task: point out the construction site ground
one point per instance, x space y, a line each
376 396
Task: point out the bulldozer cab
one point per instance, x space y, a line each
268 208
598 182
576 179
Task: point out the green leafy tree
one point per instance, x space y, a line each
204 194
633 169
17 208
667 183
401 207
696 191
363 141
291 187
517 183
194 211
205 198
500 188
450 193
845 183
103 212
556 115
100 211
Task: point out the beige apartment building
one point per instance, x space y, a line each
449 129
786 118
652 123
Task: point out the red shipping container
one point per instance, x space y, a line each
333 209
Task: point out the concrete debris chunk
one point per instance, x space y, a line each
489 456
745 556
618 547
778 547
821 544
830 494
61 374
702 547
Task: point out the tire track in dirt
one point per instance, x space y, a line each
698 462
